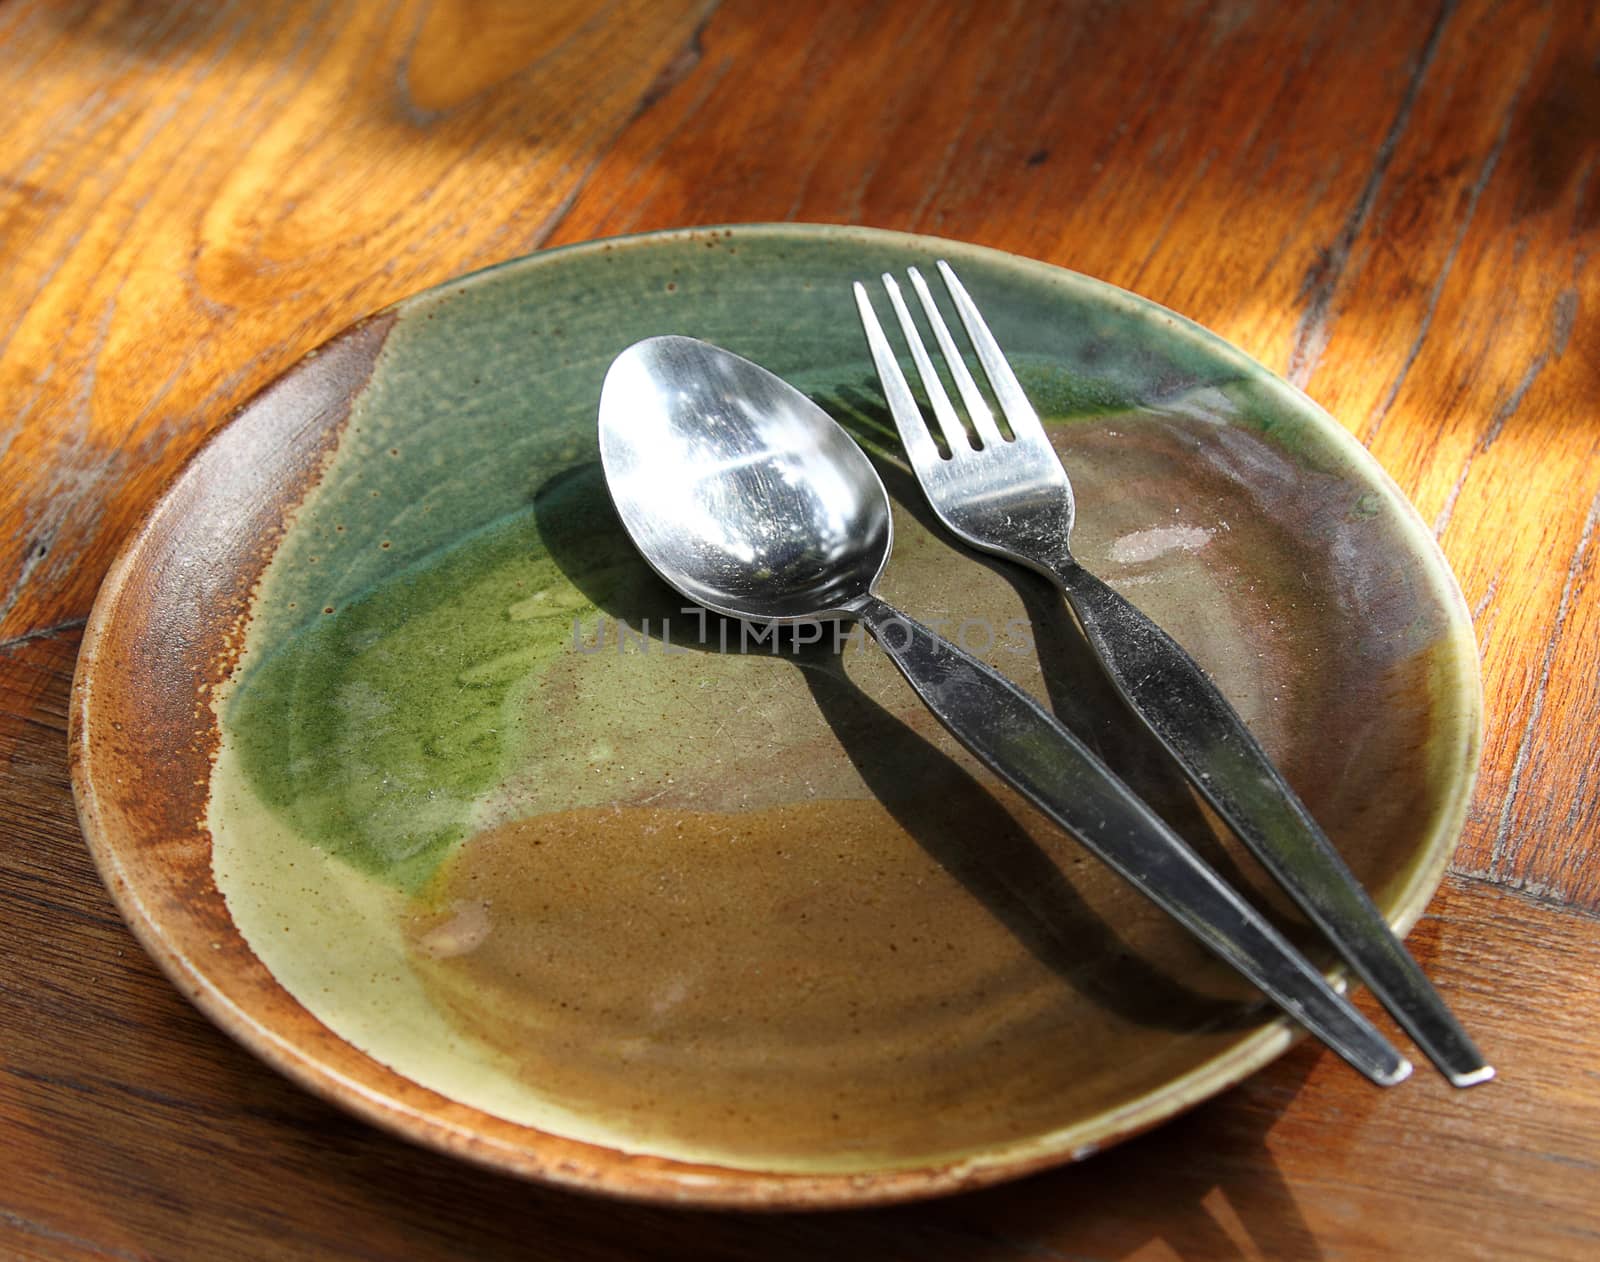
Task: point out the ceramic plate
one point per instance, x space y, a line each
417 781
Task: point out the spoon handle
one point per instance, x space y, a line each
1029 748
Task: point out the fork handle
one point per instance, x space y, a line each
1029 748
1175 698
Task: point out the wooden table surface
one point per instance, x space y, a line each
1393 203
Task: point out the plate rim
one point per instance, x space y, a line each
589 1167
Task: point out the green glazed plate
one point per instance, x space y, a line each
416 779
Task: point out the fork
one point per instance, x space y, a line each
1012 497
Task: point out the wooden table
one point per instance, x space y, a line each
1393 203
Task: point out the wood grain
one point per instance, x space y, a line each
203 194
1394 203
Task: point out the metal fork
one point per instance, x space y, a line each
1012 497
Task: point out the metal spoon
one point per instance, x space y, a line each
750 500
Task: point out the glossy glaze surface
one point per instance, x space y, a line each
431 682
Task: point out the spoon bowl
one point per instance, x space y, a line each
738 490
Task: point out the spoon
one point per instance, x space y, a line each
749 499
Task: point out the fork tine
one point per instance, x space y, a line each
1019 413
954 435
914 434
977 407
